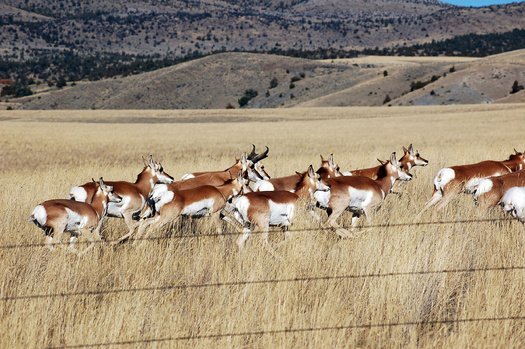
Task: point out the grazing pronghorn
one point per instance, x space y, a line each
409 159
134 195
329 168
514 202
451 181
273 208
489 191
197 202
249 165
78 218
359 194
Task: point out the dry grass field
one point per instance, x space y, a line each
429 285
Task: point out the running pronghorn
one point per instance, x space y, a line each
451 181
409 159
197 202
514 202
249 166
273 208
489 191
134 195
328 169
78 218
359 194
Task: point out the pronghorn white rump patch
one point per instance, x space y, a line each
281 214
483 186
444 176
78 194
263 185
514 202
39 215
199 208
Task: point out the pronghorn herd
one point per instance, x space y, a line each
155 199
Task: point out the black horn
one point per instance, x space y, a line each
259 157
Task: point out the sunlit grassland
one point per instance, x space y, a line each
45 153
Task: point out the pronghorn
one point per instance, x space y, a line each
249 165
197 202
329 168
359 194
451 181
78 218
273 208
134 195
489 191
409 159
514 202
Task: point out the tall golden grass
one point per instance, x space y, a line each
45 153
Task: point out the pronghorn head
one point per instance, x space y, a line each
156 172
329 169
105 192
395 169
311 181
516 161
259 168
412 158
248 169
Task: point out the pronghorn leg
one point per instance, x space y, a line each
242 238
72 242
93 237
436 196
128 218
143 225
332 217
447 196
267 243
216 216
49 242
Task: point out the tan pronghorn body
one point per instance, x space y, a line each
78 218
490 191
249 165
451 181
197 202
359 194
134 195
409 159
274 208
287 183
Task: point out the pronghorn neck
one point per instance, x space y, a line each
146 180
229 189
514 163
304 188
100 203
386 179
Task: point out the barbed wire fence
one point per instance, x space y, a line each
240 283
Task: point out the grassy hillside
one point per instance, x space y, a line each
216 81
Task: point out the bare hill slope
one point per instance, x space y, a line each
220 80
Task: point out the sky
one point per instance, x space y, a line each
478 3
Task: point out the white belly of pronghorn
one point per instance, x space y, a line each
199 209
281 214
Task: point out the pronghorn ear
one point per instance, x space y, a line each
411 149
311 172
393 159
150 162
516 151
382 162
239 176
102 185
95 183
331 160
405 150
322 158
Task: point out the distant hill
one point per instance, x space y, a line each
220 80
